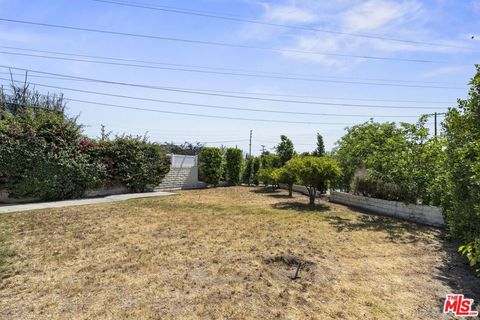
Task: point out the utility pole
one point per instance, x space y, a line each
103 133
250 145
435 117
263 148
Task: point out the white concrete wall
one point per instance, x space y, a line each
421 214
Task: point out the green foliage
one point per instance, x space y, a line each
186 148
42 155
265 176
315 173
211 165
400 158
247 173
285 150
234 165
256 168
288 175
471 251
270 161
320 150
461 198
132 161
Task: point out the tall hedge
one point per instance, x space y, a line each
461 199
211 165
234 165
133 162
42 155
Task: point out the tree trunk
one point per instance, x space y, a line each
290 190
312 192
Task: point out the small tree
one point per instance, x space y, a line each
287 175
211 165
315 173
285 150
234 164
320 150
265 176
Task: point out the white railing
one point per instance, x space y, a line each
181 161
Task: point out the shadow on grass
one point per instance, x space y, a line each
265 190
301 206
455 273
397 231
280 196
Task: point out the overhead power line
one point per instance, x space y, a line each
206 116
217 94
243 71
258 22
229 73
256 93
219 107
213 43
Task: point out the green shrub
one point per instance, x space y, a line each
234 165
132 162
211 165
373 186
42 155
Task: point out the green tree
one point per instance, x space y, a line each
247 174
270 161
320 150
403 164
211 165
234 165
256 167
288 175
285 150
265 176
315 173
461 200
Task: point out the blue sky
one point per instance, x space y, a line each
448 23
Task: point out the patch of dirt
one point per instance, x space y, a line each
290 267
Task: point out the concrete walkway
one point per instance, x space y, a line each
80 202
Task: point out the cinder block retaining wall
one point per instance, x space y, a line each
427 215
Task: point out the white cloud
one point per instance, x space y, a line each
15 36
375 14
476 6
443 71
288 13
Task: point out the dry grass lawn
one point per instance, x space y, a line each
224 253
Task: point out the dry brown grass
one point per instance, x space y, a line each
218 254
